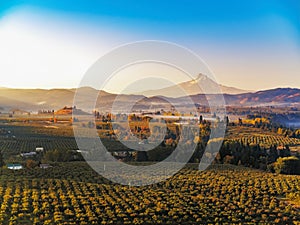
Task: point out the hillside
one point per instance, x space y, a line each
35 99
278 96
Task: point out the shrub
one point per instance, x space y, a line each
287 165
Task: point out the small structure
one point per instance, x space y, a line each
45 166
28 154
39 149
82 151
121 155
14 166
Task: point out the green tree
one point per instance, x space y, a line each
287 165
141 156
58 156
2 163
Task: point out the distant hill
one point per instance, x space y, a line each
55 99
278 96
7 104
34 99
272 97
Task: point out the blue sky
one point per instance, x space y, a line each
248 44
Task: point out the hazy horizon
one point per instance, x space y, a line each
114 92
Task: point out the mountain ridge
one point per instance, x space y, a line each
36 99
193 87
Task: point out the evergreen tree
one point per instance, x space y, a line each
1 160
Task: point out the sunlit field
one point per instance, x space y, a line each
72 193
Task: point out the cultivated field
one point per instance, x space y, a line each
72 193
255 136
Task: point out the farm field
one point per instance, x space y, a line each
255 136
72 193
17 138
26 137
